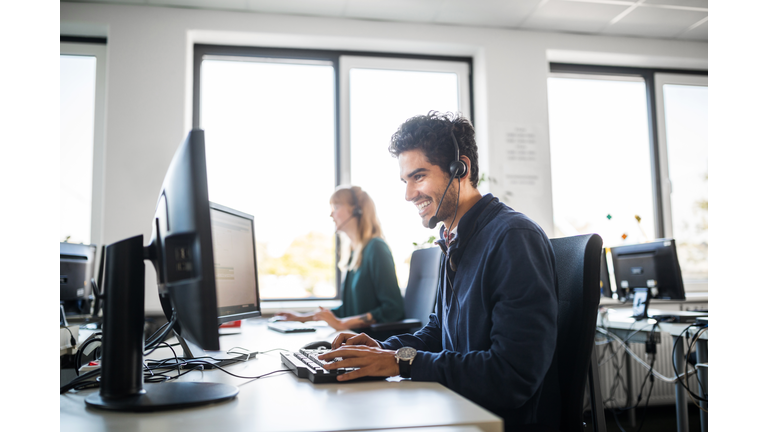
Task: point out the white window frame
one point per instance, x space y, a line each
99 51
346 63
660 79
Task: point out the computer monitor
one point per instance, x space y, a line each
181 250
649 266
234 255
76 262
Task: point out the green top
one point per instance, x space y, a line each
373 286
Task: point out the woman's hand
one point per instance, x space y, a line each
290 316
328 316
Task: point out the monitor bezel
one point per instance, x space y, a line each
676 290
224 318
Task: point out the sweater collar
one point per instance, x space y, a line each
471 222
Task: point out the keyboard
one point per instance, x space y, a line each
305 364
290 327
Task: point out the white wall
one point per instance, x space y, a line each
149 86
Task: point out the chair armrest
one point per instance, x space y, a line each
404 325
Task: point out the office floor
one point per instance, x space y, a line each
658 419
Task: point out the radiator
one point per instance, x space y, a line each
613 381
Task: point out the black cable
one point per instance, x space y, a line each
674 366
72 340
157 341
79 380
78 354
648 399
688 352
649 375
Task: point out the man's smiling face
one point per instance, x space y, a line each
424 185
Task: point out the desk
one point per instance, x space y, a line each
628 329
266 404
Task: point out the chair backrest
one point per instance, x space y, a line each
421 292
578 275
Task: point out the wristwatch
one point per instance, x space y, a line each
405 357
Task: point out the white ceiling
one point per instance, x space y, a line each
659 19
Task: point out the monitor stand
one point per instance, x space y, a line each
640 302
122 380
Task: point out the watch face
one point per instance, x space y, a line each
406 353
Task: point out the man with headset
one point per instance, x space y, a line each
493 334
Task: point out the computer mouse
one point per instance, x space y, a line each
317 345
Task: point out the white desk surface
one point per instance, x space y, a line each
283 402
622 319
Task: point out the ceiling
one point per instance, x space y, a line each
658 19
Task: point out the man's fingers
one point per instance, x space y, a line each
347 351
359 373
341 339
363 339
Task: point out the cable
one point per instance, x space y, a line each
684 383
674 366
72 340
639 360
80 351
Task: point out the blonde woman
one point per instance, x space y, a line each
369 292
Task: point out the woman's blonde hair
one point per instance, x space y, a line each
368 225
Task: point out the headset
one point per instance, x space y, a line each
357 211
458 169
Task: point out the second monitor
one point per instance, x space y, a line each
649 268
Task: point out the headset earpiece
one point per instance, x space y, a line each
458 168
356 211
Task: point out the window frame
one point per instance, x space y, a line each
666 185
660 203
654 79
341 61
94 47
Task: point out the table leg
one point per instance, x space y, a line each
630 391
702 356
681 398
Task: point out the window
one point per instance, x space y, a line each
284 127
270 145
382 94
613 166
683 116
81 134
601 170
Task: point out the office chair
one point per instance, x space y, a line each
420 294
578 275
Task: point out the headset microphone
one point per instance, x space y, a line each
457 169
345 222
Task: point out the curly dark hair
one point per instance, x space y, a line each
431 134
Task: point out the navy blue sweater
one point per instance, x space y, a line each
493 334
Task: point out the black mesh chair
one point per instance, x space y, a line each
420 295
578 276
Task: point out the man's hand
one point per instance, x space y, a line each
354 339
370 361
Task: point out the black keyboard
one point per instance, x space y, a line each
305 364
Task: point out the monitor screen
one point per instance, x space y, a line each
652 265
76 262
234 264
